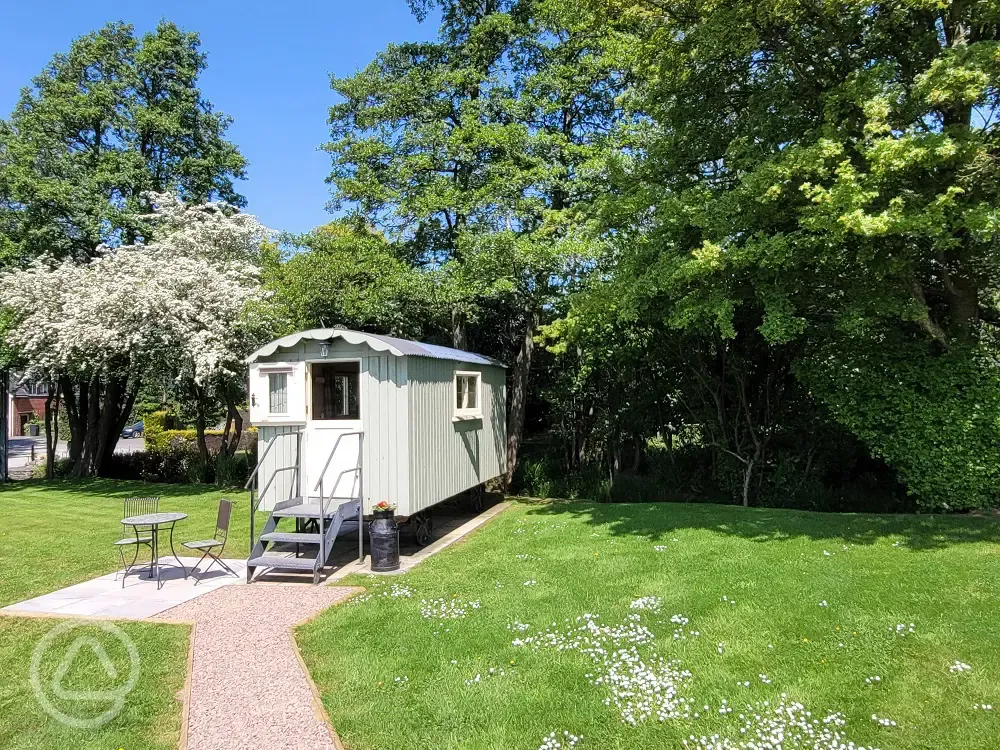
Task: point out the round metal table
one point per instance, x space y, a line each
154 522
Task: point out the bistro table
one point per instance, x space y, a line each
154 522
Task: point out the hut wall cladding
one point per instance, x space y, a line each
387 427
385 421
282 454
447 456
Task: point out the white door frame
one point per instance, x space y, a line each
321 434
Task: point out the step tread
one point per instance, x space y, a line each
277 561
305 510
289 536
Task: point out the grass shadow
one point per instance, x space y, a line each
656 521
119 488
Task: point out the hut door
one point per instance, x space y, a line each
335 408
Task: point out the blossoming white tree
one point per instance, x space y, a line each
173 307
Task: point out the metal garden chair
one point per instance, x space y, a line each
135 536
208 546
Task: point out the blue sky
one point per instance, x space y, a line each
268 67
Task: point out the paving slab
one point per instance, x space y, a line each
139 597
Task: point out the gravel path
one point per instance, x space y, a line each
247 687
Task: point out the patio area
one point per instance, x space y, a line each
139 599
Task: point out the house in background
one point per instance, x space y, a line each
4 447
25 402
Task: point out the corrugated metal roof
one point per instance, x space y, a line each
399 347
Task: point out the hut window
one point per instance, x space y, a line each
467 394
335 390
277 392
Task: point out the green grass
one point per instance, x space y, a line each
150 715
940 573
55 534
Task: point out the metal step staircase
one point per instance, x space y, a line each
318 518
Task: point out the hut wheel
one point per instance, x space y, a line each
424 525
476 495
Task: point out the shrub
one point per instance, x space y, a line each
544 476
60 468
935 417
232 471
180 463
531 478
172 456
167 465
842 478
154 427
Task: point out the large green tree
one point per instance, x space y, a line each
111 119
105 125
344 273
472 153
826 174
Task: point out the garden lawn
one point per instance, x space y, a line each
150 717
704 616
55 534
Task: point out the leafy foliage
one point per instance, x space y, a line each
143 308
103 130
736 247
173 308
346 274
102 125
935 418
810 188
469 152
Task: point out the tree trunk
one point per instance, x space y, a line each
76 409
115 413
637 456
233 432
459 338
97 413
232 443
224 448
51 429
519 394
747 476
91 421
199 424
4 417
963 301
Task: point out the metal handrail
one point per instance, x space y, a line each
255 497
273 475
359 433
352 470
319 486
260 462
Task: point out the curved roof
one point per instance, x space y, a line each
398 347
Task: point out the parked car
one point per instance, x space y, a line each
133 431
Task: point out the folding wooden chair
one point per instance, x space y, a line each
208 546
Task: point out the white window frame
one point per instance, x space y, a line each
260 401
465 412
273 374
